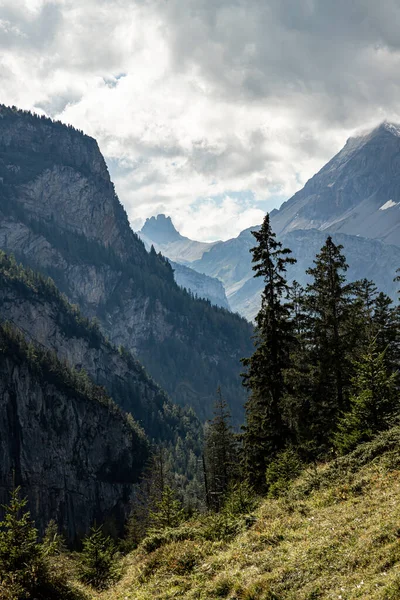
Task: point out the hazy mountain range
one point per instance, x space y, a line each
355 198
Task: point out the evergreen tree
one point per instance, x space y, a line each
265 432
98 561
167 512
220 453
373 404
19 548
332 336
386 329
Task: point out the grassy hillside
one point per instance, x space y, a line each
335 534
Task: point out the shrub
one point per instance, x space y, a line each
281 471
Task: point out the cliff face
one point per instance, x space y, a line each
356 193
77 459
39 311
59 214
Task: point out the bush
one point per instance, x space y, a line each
281 471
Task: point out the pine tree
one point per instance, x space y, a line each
332 334
167 512
98 561
265 432
220 453
373 404
19 548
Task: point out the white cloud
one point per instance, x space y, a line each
205 98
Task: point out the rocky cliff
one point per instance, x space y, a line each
76 456
60 214
357 192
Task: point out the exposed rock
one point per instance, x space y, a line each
75 458
59 214
200 285
357 192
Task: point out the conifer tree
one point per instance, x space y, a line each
333 334
373 404
19 548
167 512
98 561
220 453
265 432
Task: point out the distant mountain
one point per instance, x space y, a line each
60 215
357 192
201 285
160 232
231 262
355 198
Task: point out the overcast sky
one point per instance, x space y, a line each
211 111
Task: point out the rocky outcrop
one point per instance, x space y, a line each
76 458
200 285
160 232
59 214
357 192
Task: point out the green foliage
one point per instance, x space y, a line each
98 561
265 433
25 570
221 456
167 511
281 472
374 403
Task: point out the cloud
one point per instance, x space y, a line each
209 110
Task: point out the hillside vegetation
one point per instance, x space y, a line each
334 534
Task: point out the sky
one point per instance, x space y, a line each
210 111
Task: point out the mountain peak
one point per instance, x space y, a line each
160 229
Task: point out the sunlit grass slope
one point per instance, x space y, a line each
335 534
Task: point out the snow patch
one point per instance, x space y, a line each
388 204
395 129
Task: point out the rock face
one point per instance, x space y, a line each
76 459
357 192
38 310
60 215
160 232
201 285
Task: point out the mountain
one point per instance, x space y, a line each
76 456
231 262
61 216
201 285
160 232
60 334
357 192
355 198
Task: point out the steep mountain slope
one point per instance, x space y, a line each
357 192
75 454
33 304
200 285
160 232
60 214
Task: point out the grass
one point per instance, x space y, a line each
334 535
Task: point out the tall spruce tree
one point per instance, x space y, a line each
333 334
220 454
265 432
